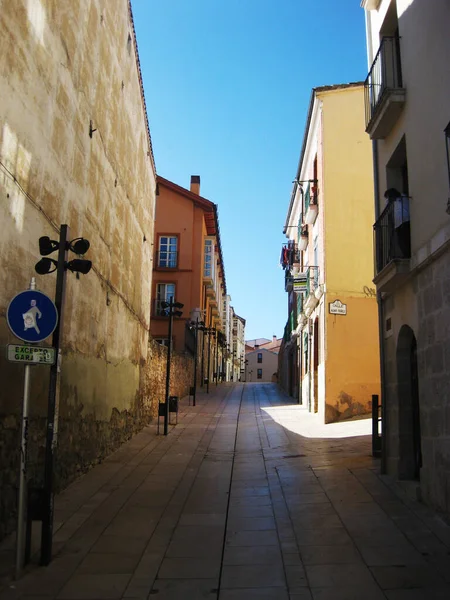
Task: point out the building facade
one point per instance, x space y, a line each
188 267
261 365
238 346
75 149
407 119
326 361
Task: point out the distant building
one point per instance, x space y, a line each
261 365
188 266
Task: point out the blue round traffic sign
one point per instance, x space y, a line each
32 316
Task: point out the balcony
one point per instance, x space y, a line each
384 94
167 259
392 245
288 281
311 205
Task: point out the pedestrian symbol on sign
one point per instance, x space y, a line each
29 318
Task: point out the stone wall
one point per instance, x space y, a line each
433 354
181 375
75 148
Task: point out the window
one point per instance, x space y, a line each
162 341
260 357
208 269
164 291
259 374
167 255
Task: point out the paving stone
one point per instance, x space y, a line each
94 587
189 568
251 576
251 523
252 538
277 593
329 555
366 592
109 563
398 577
336 576
252 555
189 589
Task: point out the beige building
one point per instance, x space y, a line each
407 119
75 149
261 365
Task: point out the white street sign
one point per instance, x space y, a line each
34 355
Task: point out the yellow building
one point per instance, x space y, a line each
330 357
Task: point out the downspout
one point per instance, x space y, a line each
376 190
380 305
299 365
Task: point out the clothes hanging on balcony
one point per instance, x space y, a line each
289 255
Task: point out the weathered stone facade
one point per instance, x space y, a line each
75 148
433 353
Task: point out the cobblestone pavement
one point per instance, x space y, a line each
247 498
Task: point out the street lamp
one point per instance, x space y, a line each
45 266
219 341
210 331
195 323
169 309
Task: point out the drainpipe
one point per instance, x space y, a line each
299 366
376 186
310 407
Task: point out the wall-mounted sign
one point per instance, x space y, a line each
337 308
300 284
34 355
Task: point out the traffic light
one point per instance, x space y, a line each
78 265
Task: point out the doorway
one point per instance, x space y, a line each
410 450
316 365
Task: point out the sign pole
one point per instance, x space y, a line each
21 510
195 362
52 410
169 353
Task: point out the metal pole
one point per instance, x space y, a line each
217 358
21 509
375 434
169 352
203 360
195 361
209 360
53 394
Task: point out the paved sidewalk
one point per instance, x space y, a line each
247 498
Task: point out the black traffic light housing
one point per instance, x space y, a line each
78 265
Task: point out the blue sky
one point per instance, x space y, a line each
227 85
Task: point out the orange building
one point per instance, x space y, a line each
188 266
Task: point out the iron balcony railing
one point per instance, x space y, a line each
392 233
385 74
310 197
167 259
288 281
312 282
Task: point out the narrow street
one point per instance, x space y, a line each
245 499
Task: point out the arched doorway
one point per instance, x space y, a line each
410 453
